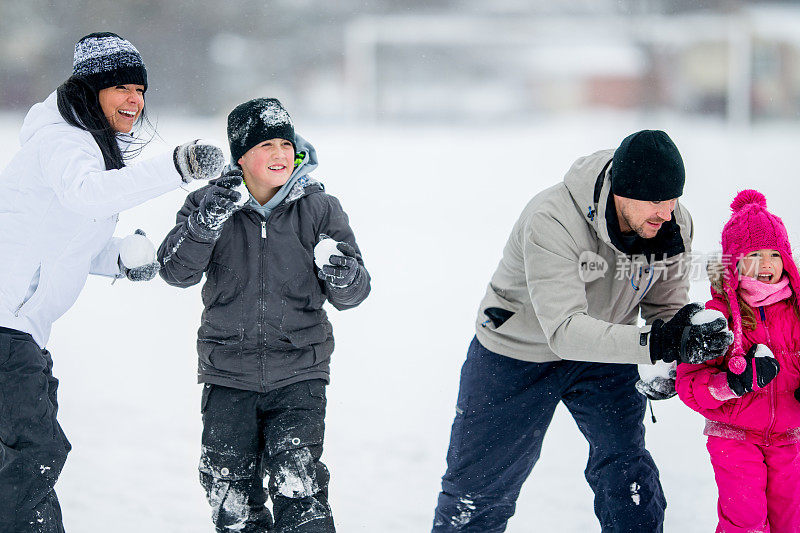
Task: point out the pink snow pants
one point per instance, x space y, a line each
759 486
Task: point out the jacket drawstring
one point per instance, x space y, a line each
652 414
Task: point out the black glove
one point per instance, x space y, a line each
220 202
342 269
759 371
198 160
680 340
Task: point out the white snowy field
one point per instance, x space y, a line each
431 208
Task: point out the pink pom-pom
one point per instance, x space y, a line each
746 197
737 364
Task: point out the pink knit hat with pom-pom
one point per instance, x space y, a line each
750 228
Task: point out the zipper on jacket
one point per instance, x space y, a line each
772 390
764 321
16 313
261 300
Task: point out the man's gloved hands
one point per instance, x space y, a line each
685 340
137 257
761 367
336 262
198 160
657 381
222 199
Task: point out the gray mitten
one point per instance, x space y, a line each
657 381
198 160
340 267
137 257
222 199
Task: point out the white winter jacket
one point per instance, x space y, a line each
58 210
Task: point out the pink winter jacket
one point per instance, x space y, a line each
765 416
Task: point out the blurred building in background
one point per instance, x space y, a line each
470 60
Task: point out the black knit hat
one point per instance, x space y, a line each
256 121
105 59
647 166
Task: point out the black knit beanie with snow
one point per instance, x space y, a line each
105 59
257 121
647 166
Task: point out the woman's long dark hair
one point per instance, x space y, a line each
79 105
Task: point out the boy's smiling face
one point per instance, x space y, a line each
269 164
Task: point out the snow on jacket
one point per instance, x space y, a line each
770 415
554 313
58 212
263 326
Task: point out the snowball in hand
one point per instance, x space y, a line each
136 250
244 191
762 350
658 370
323 252
737 363
705 316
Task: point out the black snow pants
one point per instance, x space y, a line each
504 408
249 435
33 448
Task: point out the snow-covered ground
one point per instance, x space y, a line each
431 208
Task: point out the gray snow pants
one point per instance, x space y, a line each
248 435
33 448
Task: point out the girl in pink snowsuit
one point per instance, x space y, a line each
748 396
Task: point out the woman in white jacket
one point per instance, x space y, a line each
61 195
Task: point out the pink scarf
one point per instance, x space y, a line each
758 294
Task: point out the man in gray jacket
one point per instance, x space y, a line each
586 258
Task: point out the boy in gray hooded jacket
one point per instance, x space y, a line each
265 342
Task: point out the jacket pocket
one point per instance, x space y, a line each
35 299
208 333
222 321
322 352
297 295
747 410
5 349
497 315
219 358
507 321
308 336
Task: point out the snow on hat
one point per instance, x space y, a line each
256 121
105 59
647 166
750 228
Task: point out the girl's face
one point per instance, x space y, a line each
764 265
269 164
122 105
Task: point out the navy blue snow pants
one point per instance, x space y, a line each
504 408
33 448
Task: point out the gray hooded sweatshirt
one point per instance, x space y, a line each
551 283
